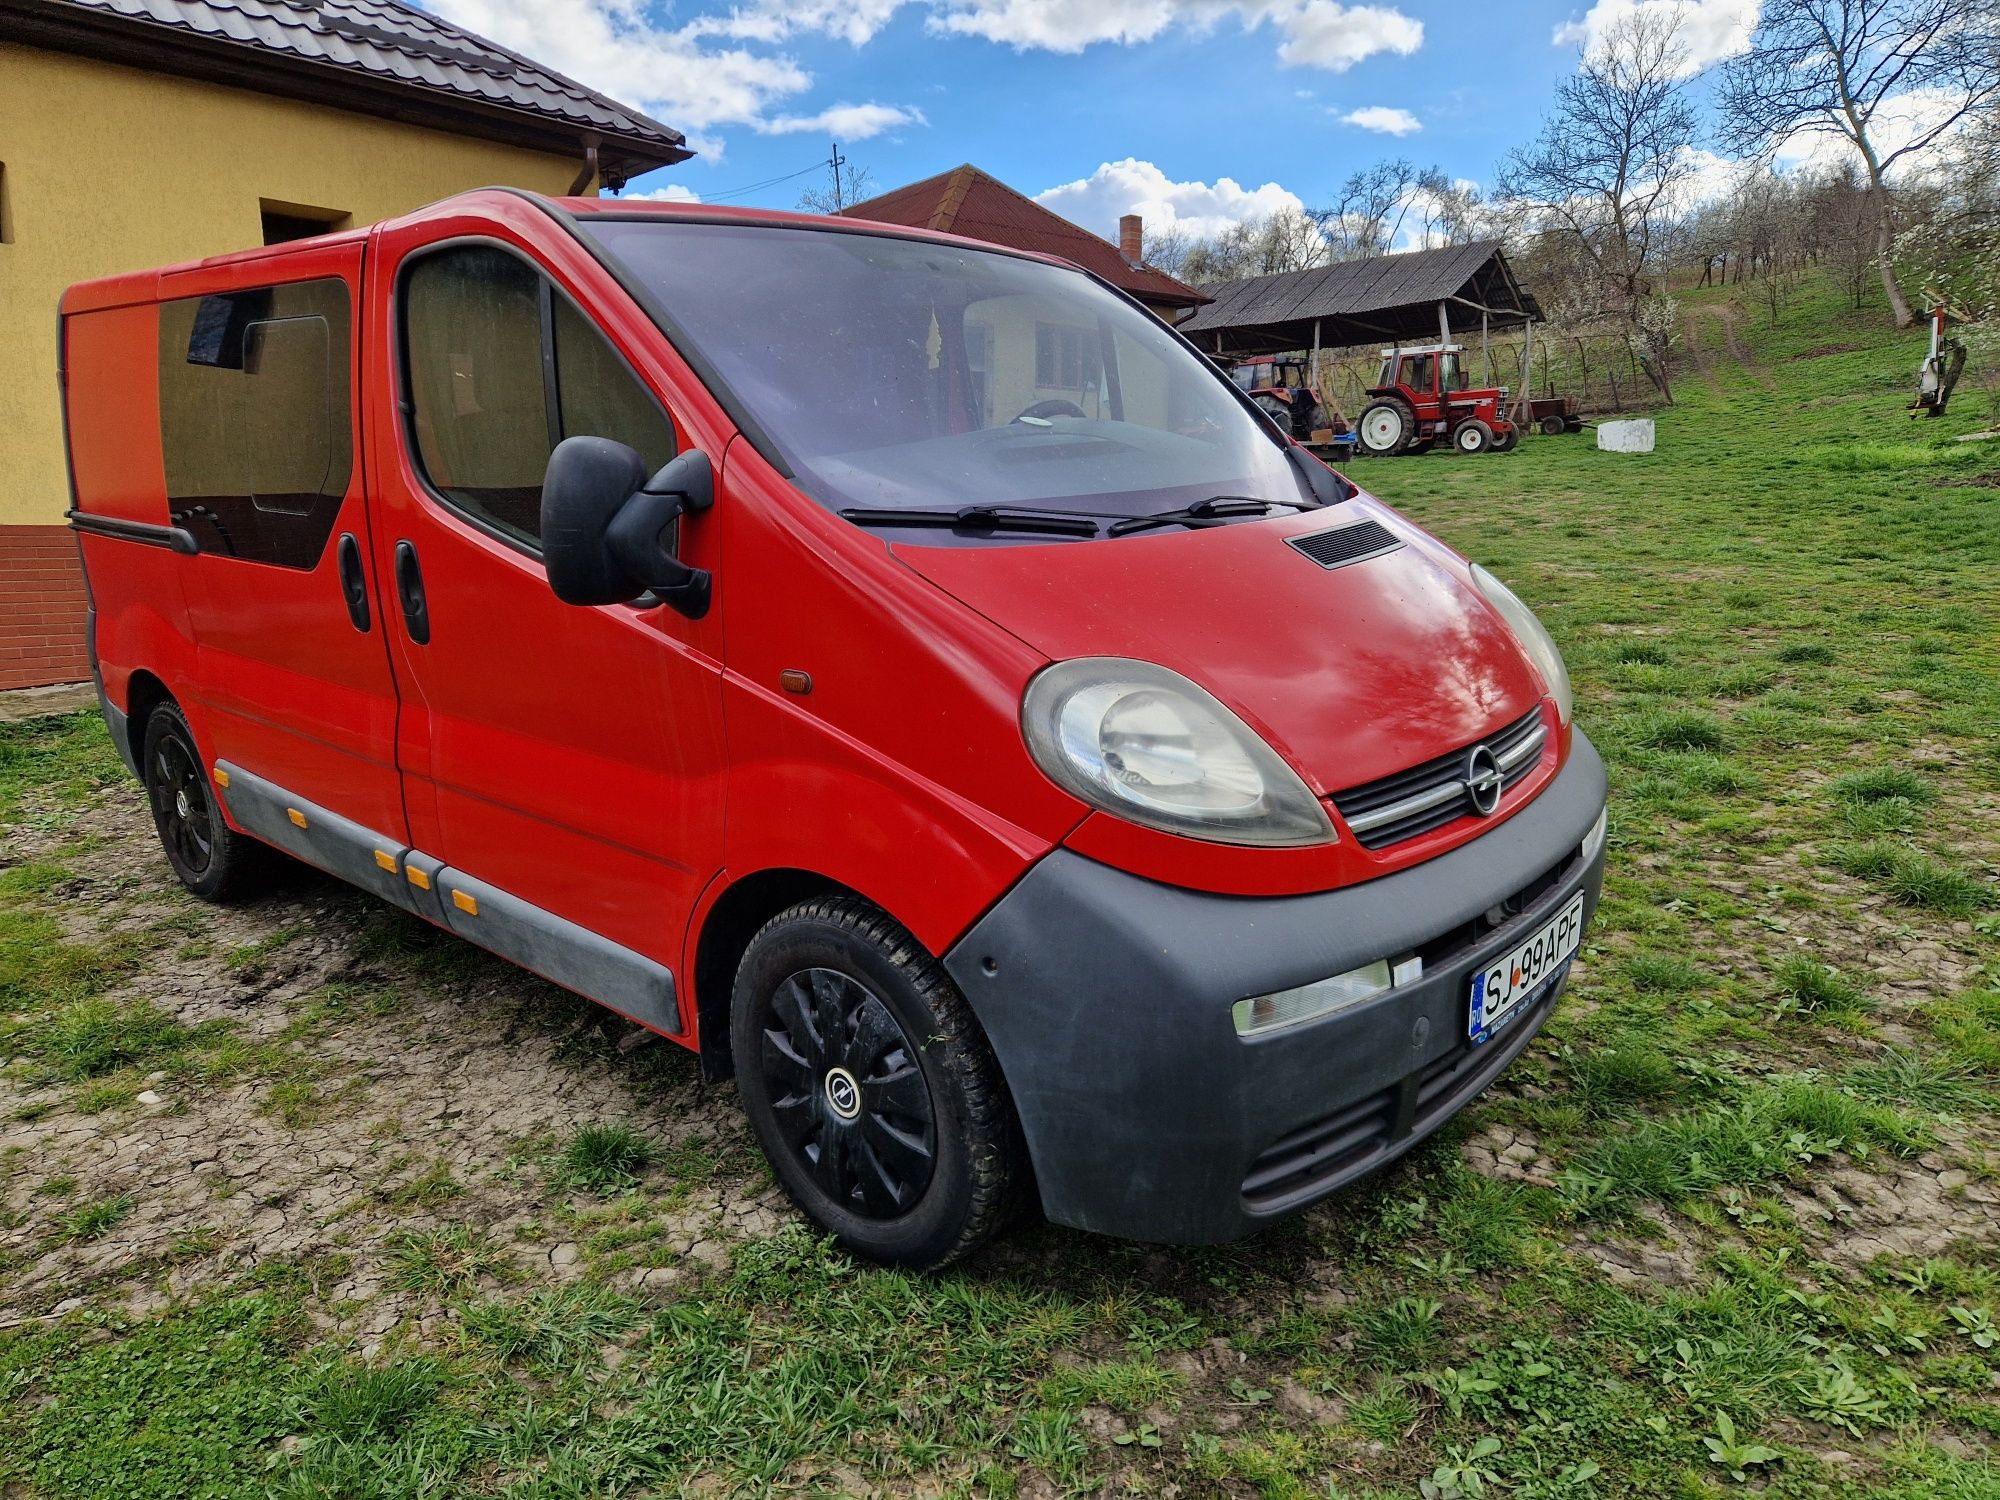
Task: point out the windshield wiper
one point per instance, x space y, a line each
1210 512
979 519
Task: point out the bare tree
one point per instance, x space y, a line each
1841 68
1612 156
845 185
1367 215
1284 241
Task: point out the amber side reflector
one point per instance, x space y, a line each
386 860
296 816
417 877
794 681
466 902
221 776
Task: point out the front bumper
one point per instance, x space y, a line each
1107 999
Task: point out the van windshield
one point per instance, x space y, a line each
898 375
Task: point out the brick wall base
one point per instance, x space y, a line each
41 607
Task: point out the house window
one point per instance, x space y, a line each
488 406
256 418
1063 357
298 221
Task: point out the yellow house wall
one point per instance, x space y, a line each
105 169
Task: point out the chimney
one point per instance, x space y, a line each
1132 238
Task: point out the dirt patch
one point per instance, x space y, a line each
1990 480
1919 1208
441 1113
1821 351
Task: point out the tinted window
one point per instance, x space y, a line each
487 406
256 418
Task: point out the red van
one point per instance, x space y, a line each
901 670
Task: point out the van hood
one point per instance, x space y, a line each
1351 672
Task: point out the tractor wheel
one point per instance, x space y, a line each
1472 436
1386 428
1505 442
1421 445
1552 426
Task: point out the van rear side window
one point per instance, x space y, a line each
500 368
257 418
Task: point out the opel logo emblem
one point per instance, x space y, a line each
1482 780
843 1094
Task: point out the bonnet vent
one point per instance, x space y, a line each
1347 544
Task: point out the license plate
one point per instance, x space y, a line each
1503 988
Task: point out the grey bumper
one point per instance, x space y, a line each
1107 999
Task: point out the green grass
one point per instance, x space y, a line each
1785 638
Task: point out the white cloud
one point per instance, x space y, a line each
853 21
1384 118
1315 33
673 192
1710 30
613 46
845 122
1130 186
1322 34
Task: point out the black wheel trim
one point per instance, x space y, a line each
180 805
877 1165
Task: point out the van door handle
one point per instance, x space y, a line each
353 584
410 590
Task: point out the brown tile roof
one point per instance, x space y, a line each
377 56
968 201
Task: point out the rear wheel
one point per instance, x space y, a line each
1386 428
1472 436
871 1087
210 858
1552 426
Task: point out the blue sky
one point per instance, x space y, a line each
1199 111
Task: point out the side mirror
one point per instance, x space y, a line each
604 525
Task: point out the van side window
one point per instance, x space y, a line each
256 418
501 368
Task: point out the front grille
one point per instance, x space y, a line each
1347 544
1431 795
1338 1146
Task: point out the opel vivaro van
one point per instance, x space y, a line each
901 670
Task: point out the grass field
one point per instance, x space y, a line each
302 1200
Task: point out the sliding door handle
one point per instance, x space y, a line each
410 593
353 582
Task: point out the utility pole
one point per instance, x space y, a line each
835 162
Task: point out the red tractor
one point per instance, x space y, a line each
1279 386
1420 399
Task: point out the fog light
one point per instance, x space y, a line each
1308 1002
1594 840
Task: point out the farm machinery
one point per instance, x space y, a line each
1284 392
1420 398
1938 375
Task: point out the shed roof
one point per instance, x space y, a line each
1392 297
380 57
979 206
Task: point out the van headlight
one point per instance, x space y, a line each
1147 745
1534 638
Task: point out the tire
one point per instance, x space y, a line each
209 857
1552 426
1472 436
1421 445
1506 442
837 1008
1385 429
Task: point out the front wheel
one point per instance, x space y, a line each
1504 442
871 1087
1472 436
